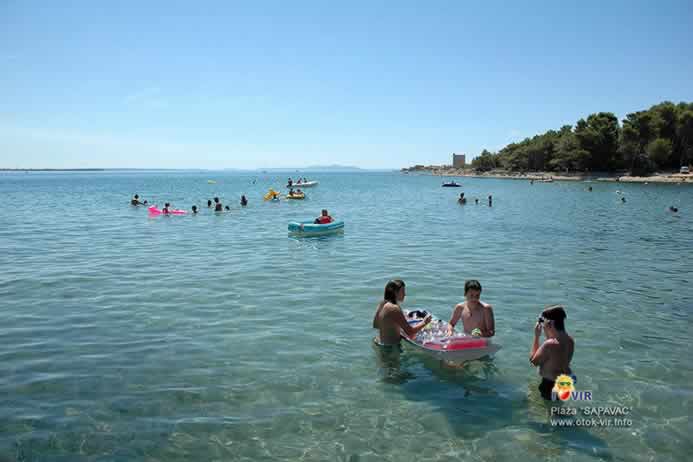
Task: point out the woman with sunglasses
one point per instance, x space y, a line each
554 355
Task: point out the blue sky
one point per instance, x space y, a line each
282 84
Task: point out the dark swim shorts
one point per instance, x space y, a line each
545 388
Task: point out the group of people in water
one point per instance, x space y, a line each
463 200
216 204
211 203
552 356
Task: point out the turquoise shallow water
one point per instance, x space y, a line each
219 337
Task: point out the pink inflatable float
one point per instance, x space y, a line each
434 341
155 211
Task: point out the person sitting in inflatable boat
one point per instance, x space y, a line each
323 219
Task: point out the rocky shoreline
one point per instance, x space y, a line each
551 176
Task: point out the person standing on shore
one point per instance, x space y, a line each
554 355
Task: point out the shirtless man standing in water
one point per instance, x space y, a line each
389 318
475 314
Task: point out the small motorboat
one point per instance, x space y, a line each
309 228
434 341
307 184
452 184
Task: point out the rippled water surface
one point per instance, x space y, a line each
220 337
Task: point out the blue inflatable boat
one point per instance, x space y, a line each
308 228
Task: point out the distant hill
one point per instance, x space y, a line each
315 168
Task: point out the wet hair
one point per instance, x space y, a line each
167 205
136 196
392 289
194 207
324 212
216 199
227 208
472 284
209 202
556 314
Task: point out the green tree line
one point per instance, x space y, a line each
660 138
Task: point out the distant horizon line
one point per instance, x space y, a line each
267 169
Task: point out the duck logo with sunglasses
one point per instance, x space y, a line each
563 388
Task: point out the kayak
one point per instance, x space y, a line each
155 211
296 196
433 341
451 185
307 184
309 228
271 194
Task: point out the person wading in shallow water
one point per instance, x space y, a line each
554 355
389 318
475 314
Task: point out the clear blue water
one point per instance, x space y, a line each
220 337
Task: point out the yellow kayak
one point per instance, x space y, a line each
296 196
272 194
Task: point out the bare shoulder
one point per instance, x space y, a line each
487 306
550 343
460 306
388 307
